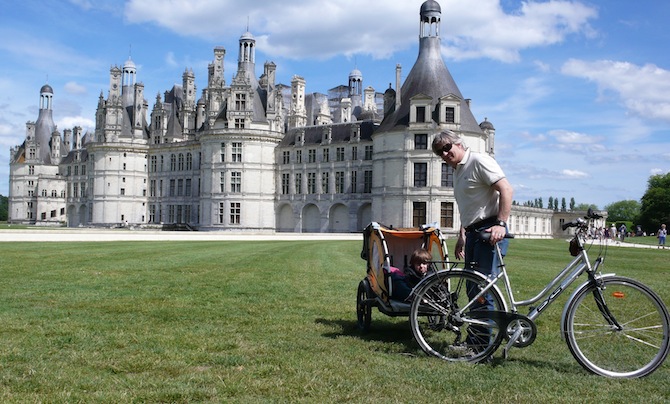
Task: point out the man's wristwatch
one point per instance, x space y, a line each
501 223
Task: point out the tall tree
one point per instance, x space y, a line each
563 205
623 211
4 208
655 206
572 203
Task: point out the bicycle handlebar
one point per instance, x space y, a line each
579 222
486 235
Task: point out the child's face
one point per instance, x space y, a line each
421 268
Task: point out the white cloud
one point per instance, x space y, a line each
574 173
658 171
643 90
571 137
74 88
487 31
299 29
70 122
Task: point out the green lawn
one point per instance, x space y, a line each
265 322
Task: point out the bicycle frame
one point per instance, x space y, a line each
551 292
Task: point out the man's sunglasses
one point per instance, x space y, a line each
445 148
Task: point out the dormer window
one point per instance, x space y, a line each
450 107
420 114
450 115
240 102
420 109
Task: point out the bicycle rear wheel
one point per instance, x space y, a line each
441 330
620 331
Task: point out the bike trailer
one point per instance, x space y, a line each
386 249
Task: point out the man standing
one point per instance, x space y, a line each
484 198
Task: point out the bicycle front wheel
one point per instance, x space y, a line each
443 329
619 330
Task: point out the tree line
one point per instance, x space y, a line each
652 210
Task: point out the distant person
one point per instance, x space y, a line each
613 232
662 233
622 232
404 281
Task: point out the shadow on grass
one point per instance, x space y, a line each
380 331
399 332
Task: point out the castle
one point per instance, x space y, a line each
256 155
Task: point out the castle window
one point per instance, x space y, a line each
421 141
181 162
235 212
339 182
189 161
447 214
418 213
236 181
339 154
325 183
447 176
367 182
421 114
450 114
298 183
311 156
286 157
237 152
285 184
240 102
368 152
326 155
420 174
298 156
311 183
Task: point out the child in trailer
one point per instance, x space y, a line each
405 280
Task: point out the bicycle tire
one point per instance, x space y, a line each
633 345
438 329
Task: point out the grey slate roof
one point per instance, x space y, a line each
429 76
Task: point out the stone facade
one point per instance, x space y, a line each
255 155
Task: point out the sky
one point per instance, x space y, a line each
578 91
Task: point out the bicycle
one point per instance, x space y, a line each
614 326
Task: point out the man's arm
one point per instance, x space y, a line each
505 202
504 208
